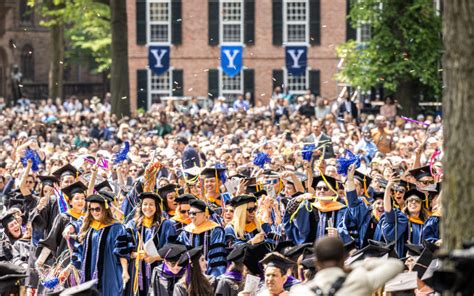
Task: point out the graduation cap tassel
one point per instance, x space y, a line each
217 181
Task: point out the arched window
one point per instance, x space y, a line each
28 63
26 13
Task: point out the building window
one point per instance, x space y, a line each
364 32
231 87
26 14
159 21
232 16
296 21
297 84
160 86
28 63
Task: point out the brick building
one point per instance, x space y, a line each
195 30
23 42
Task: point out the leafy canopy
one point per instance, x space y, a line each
405 45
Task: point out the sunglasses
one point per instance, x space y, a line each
251 210
97 210
190 213
399 190
30 182
425 182
184 211
322 188
413 200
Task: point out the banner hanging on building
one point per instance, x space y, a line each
159 59
231 59
296 58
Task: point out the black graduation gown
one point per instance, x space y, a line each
162 284
227 286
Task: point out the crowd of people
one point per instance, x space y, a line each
300 195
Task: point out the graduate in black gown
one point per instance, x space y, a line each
194 282
181 218
168 273
232 281
54 245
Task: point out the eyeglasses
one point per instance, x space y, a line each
97 210
322 188
193 213
425 182
251 210
30 182
184 211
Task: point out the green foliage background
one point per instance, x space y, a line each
406 44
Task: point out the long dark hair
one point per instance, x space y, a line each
138 218
199 284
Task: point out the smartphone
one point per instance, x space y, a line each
226 197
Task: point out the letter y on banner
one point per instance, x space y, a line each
159 59
231 59
296 58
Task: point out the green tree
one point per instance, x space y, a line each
403 54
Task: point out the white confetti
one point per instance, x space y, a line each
123 98
190 89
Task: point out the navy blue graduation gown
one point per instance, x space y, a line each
213 243
99 257
301 228
160 236
396 226
359 220
431 229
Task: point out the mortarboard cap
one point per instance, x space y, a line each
368 252
10 274
212 172
190 255
237 254
172 252
66 170
295 252
185 198
242 199
103 185
169 188
275 259
283 246
77 187
309 263
85 289
49 180
414 250
378 195
253 255
428 275
422 262
405 281
362 177
330 180
6 218
201 205
150 195
421 172
98 198
414 192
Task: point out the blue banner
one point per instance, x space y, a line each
159 59
231 59
296 58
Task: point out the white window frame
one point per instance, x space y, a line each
222 22
149 23
296 92
286 23
359 32
159 92
234 93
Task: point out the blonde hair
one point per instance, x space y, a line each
108 218
240 220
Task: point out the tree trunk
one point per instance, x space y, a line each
458 109
56 68
407 96
119 82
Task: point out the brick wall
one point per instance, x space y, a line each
194 55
